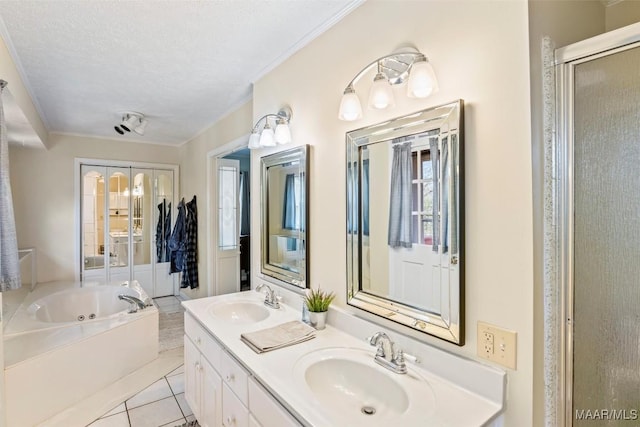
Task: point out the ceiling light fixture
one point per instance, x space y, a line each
394 69
266 136
132 122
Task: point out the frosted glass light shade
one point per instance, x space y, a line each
350 107
422 80
283 133
381 94
267 137
254 141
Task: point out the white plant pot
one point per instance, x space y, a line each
318 319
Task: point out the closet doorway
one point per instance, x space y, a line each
229 219
124 213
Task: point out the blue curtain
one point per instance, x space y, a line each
244 204
400 203
441 169
289 210
365 197
9 261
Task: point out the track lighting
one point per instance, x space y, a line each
394 69
266 136
132 122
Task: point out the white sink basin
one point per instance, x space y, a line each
241 312
354 390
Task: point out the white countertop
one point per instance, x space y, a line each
454 406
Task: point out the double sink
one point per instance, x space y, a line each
344 380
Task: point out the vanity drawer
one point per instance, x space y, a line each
266 410
208 346
234 413
235 377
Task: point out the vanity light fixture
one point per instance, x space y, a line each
266 136
132 122
406 65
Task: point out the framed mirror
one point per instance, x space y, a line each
285 214
405 220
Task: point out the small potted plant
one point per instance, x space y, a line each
318 302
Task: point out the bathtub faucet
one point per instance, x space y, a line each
136 303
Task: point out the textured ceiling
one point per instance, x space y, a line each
183 64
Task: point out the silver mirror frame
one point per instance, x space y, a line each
449 325
299 154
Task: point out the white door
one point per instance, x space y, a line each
227 274
164 215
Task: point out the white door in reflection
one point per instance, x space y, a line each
228 212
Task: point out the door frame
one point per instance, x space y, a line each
78 161
558 206
212 211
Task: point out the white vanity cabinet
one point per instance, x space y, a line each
220 391
203 385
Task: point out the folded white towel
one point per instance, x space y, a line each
283 335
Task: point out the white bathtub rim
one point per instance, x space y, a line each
24 321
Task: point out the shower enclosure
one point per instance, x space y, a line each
125 218
598 219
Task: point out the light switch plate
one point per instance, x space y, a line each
497 345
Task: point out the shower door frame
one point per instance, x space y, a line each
559 405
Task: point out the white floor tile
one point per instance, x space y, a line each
164 301
170 308
155 414
179 370
186 410
176 423
116 410
177 383
117 420
156 391
191 418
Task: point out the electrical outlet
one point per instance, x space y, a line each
497 345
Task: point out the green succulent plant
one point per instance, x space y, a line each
318 300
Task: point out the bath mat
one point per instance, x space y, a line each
171 331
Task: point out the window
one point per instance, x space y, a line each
422 192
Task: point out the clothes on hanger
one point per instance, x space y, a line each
163 232
190 272
184 244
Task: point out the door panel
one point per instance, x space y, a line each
228 215
606 194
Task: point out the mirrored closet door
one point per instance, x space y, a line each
125 223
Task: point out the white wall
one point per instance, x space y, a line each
43 193
565 22
9 72
193 167
480 53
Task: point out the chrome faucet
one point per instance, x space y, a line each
136 303
388 355
270 298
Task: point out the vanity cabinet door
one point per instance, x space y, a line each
265 410
234 413
192 383
211 398
253 422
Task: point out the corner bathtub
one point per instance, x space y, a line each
67 342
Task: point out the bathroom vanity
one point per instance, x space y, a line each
331 380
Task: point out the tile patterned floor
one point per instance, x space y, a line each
159 405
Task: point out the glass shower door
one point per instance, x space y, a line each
606 243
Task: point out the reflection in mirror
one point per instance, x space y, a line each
405 220
284 216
